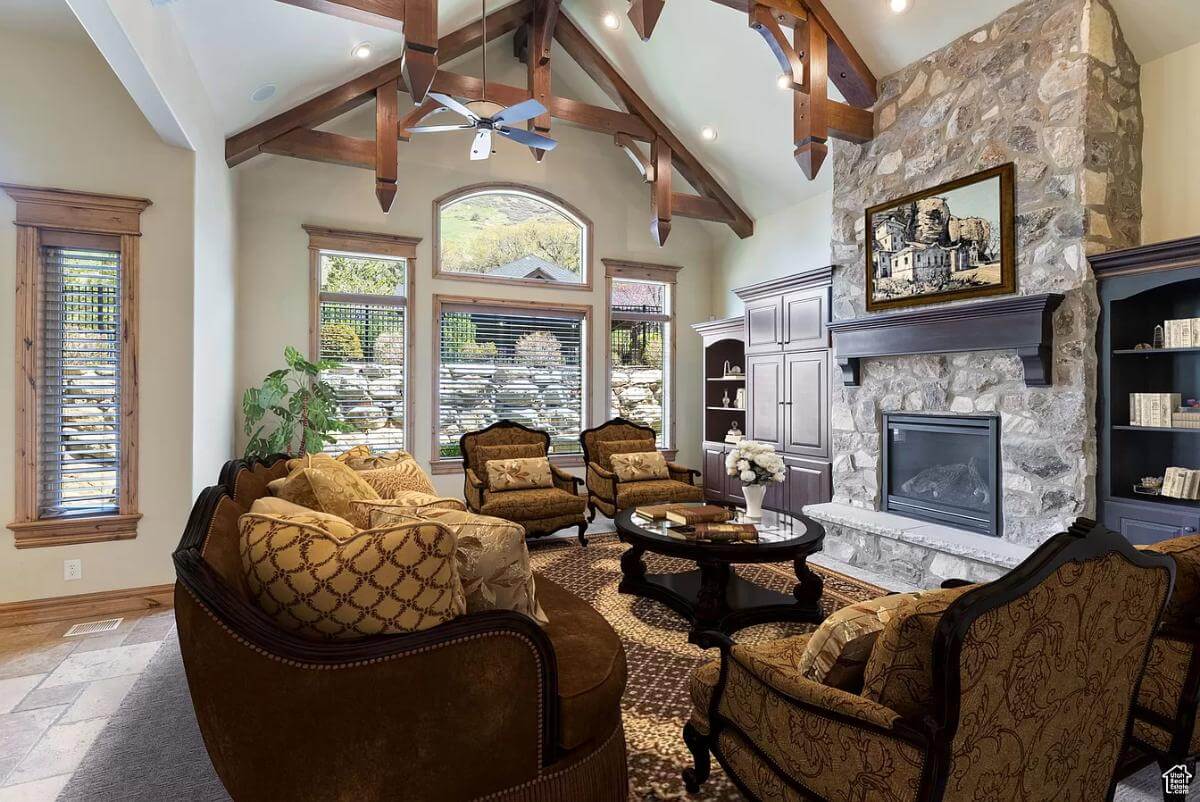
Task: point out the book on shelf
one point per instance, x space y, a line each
1182 483
657 512
709 513
1181 333
1186 420
1153 409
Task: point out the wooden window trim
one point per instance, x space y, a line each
588 238
643 271
392 246
440 465
58 215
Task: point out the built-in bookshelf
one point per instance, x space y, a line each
1140 289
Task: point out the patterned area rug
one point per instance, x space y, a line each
659 656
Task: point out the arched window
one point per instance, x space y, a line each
511 234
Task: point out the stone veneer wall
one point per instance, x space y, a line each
1052 86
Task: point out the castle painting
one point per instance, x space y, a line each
946 243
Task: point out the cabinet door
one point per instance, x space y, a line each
764 326
805 314
714 473
808 482
1142 524
806 404
764 380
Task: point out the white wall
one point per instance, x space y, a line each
66 121
1170 158
789 241
276 195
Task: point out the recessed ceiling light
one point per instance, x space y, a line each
899 6
263 93
361 51
611 21
708 133
784 81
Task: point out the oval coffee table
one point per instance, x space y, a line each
714 597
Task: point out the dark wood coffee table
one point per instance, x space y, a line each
714 597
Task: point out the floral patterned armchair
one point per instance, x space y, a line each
607 493
1019 689
542 511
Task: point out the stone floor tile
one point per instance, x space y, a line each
14 689
99 699
48 697
46 790
101 664
106 641
59 751
20 731
33 659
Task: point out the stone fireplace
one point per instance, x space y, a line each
1051 86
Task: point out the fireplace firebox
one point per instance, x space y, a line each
943 468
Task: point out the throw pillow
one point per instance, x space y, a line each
838 651
362 458
519 474
273 505
374 582
640 466
328 486
408 502
402 477
606 448
307 461
484 454
493 562
276 485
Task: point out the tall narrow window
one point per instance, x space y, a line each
641 343
77 383
505 361
362 283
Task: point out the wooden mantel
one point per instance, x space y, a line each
1024 323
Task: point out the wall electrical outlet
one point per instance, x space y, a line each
72 570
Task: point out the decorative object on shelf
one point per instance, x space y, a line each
739 399
734 435
732 371
1181 483
756 465
1143 347
953 241
1149 486
1160 337
725 401
293 410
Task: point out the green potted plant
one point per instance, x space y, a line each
293 411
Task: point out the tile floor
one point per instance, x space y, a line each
57 693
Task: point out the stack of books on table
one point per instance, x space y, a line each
1183 333
1182 483
690 516
1153 409
716 532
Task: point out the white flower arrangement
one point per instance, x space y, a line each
754 463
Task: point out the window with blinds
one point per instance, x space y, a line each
79 452
497 364
364 327
639 353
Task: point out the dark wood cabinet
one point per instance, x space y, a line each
764 326
806 404
723 343
806 314
808 482
765 388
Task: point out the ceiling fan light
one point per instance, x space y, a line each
611 21
361 51
899 6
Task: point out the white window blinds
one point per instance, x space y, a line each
496 364
79 450
639 351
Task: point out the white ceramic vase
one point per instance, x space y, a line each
754 500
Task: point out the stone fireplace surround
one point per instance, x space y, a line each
1051 86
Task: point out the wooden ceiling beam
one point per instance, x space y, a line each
321 146
594 63
644 15
762 20
698 208
357 91
660 191
631 148
537 61
850 123
545 20
419 62
417 113
380 13
810 110
387 167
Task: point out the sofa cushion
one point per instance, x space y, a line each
504 475
1183 607
838 651
606 448
362 458
328 486
325 580
529 505
635 494
404 476
640 466
591 666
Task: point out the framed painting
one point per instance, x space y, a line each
954 241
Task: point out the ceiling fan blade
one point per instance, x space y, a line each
433 129
529 138
453 105
525 110
481 148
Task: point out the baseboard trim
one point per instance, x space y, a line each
107 602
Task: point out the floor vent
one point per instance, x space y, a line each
94 627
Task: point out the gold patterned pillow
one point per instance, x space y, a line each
402 477
605 450
484 454
519 474
362 458
273 505
640 466
493 562
408 502
328 486
307 461
327 584
838 651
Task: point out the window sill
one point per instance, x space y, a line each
440 467
71 531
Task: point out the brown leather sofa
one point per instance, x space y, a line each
1021 688
488 705
607 493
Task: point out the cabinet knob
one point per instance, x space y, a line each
1188 530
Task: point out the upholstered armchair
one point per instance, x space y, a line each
1017 689
608 493
542 511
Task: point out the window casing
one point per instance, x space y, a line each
361 318
76 370
511 234
497 360
641 345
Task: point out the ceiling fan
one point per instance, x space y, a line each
488 121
